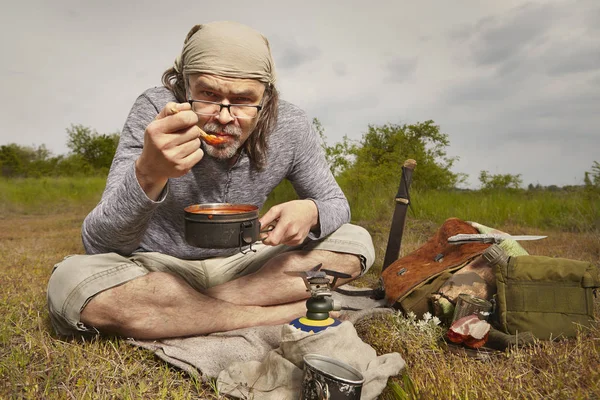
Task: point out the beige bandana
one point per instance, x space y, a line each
227 49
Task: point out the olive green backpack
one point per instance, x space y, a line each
549 297
545 296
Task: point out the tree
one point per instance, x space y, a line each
11 161
42 163
592 179
91 153
499 181
21 161
96 149
379 157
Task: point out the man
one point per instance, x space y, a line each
215 133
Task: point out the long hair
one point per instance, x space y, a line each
256 145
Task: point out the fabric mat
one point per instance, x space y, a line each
279 375
207 356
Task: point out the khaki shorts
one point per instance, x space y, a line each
78 278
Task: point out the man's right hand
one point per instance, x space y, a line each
171 148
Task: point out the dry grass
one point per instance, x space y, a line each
35 364
566 370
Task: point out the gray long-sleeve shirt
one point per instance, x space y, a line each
126 220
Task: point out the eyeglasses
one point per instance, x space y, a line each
212 109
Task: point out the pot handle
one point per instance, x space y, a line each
246 233
268 229
248 239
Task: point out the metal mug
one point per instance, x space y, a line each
328 378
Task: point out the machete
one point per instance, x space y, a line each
463 238
399 218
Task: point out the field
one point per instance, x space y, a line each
40 224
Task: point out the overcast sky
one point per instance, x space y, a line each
515 84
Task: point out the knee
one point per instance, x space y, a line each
355 243
362 242
79 278
60 296
351 264
62 281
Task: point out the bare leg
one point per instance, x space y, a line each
270 285
160 305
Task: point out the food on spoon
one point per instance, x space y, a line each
207 137
211 139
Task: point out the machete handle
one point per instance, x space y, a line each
405 180
410 164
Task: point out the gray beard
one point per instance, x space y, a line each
223 151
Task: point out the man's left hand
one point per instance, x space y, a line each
293 220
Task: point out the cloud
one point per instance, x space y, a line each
592 15
288 54
497 40
488 111
11 72
558 38
340 69
574 58
527 57
477 89
524 92
400 69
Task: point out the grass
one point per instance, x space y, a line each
577 211
35 364
545 370
27 196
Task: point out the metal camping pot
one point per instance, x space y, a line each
328 378
468 304
222 225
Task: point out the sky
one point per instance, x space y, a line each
514 84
